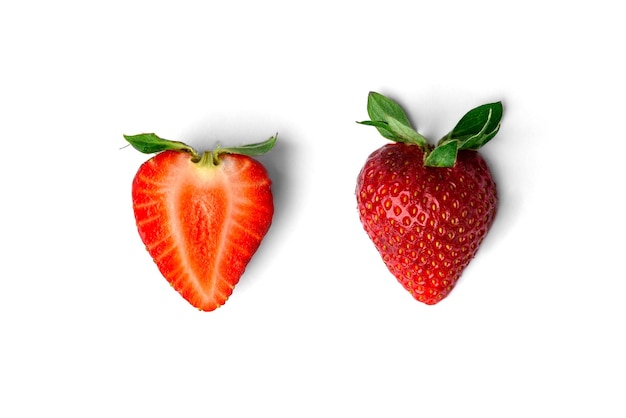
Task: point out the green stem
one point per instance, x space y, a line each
207 159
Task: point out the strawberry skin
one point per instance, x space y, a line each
426 222
427 208
202 221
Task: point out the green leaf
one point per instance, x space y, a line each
477 141
442 156
383 129
391 120
151 143
379 108
478 126
250 150
396 131
405 133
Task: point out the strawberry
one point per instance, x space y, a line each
427 209
201 216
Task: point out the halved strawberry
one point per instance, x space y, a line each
201 216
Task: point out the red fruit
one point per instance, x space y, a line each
426 221
201 218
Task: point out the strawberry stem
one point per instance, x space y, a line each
474 130
207 159
151 143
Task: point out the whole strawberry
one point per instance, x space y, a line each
201 216
427 209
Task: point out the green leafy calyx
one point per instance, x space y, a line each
474 130
150 143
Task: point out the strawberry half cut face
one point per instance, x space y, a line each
202 219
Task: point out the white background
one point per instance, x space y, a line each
317 327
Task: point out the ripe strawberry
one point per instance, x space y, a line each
427 209
201 216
